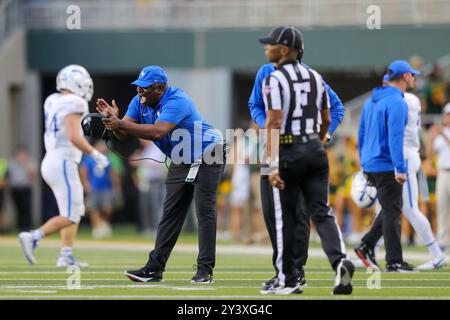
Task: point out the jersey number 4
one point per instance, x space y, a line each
52 126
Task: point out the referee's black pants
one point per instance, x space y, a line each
302 227
304 168
179 195
388 222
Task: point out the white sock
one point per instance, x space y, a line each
423 228
66 251
37 235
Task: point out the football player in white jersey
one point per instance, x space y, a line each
411 146
420 223
64 146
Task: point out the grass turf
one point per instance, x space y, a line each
238 274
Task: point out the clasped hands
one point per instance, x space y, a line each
110 113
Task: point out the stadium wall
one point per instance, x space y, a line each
326 48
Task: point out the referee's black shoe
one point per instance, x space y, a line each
301 280
301 277
144 275
266 285
272 286
343 279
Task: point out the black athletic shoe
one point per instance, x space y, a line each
399 267
277 289
301 278
367 256
343 279
267 285
202 277
144 275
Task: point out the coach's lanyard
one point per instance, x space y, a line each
193 171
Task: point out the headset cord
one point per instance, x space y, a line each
107 139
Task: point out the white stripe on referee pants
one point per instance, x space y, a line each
341 238
279 235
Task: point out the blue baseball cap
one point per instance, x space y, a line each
399 67
150 75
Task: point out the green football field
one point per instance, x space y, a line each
238 274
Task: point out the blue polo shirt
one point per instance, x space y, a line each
99 178
192 132
258 110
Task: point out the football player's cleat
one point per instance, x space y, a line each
367 256
28 245
434 264
67 261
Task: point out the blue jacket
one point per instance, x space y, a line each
381 129
258 111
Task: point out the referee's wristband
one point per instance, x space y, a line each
273 164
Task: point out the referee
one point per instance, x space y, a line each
258 113
168 116
297 105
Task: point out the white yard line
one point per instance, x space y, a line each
221 297
198 287
191 248
215 279
267 273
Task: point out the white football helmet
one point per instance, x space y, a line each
77 80
362 192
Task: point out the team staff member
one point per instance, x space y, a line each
297 105
411 146
380 145
155 113
258 113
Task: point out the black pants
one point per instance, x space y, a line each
388 222
304 168
302 227
179 195
22 200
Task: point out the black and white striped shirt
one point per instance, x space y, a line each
300 93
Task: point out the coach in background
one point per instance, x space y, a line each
380 145
297 105
440 139
411 209
165 115
258 113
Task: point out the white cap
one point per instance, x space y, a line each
447 108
